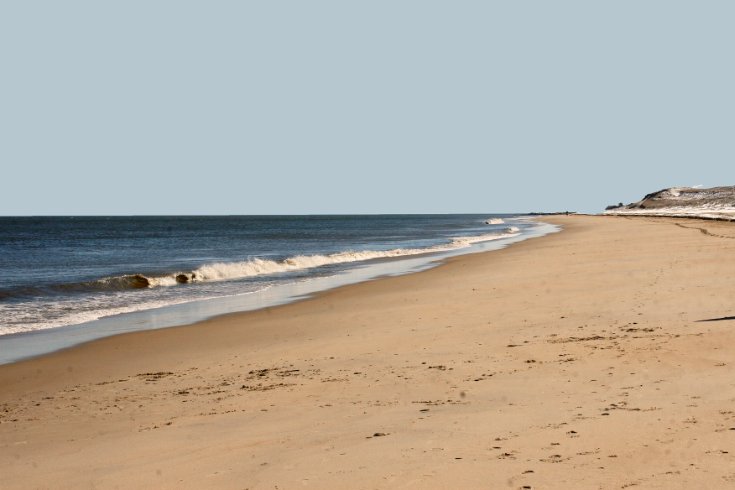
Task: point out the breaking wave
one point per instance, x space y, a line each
224 271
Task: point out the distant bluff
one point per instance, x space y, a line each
712 203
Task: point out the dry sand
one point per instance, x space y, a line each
576 360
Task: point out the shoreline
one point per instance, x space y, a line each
578 359
36 343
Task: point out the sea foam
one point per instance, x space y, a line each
224 271
227 271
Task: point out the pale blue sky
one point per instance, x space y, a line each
153 107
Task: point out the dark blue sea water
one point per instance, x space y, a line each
61 271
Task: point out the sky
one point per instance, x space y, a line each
340 107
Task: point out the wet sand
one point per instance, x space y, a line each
599 357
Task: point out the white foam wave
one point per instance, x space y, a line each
66 313
224 271
494 221
30 322
162 281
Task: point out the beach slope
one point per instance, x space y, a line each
598 357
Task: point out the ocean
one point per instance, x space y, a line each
64 280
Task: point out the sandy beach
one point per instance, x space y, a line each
598 357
